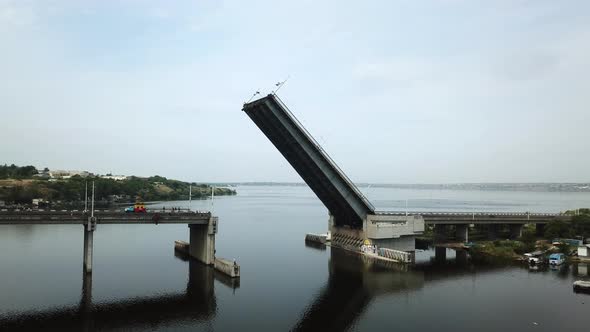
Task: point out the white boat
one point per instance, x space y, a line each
535 258
581 286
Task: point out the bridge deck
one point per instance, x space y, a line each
342 198
103 217
454 218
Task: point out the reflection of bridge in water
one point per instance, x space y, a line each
197 303
354 282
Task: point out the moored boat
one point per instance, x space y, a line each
581 286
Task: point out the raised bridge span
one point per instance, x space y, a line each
340 196
353 219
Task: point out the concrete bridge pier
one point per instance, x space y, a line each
89 228
515 230
461 257
493 231
462 233
440 254
202 241
540 229
440 233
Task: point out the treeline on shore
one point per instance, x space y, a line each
18 185
577 228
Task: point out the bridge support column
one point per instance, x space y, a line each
493 231
515 230
202 241
540 229
461 257
89 228
440 254
462 233
440 233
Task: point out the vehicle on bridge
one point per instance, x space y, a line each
138 207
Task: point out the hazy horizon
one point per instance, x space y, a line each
397 92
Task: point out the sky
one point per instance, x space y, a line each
395 91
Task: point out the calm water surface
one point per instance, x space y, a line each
138 283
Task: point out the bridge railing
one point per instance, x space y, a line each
476 214
397 255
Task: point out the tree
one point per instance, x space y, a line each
581 225
557 229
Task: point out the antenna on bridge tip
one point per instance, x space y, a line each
254 95
280 84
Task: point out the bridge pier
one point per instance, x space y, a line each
382 231
540 229
493 231
462 232
461 257
515 230
202 241
440 254
89 228
440 233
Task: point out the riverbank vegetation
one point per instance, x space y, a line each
578 226
22 187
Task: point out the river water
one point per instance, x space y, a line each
138 282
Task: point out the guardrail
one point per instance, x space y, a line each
468 214
397 255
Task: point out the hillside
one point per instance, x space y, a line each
26 186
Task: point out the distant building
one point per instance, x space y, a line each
61 174
39 203
114 177
584 251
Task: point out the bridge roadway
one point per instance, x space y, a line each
65 217
463 218
202 226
